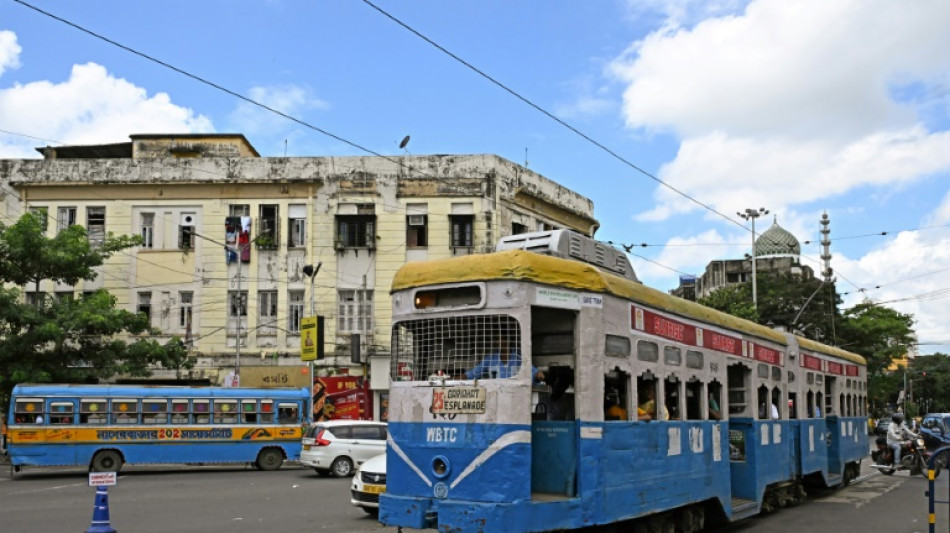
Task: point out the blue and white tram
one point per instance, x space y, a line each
540 391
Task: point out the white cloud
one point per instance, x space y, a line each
9 51
291 100
90 107
790 102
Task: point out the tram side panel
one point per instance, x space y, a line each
761 455
650 467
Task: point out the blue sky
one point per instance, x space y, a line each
801 107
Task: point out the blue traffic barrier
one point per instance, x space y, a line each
100 513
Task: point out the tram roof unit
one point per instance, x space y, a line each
520 265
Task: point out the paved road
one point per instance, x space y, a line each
292 500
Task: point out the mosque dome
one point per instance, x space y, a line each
777 241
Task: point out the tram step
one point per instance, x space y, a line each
548 497
742 508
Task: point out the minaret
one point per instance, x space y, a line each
826 271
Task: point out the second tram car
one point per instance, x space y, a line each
544 391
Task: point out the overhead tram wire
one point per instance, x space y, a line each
548 114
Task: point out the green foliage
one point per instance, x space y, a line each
69 341
928 383
735 300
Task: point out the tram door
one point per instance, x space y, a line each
554 455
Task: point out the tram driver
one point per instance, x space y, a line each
503 362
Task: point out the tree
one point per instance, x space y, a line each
69 340
929 380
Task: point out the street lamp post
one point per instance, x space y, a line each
311 270
751 215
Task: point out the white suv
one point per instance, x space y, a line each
338 446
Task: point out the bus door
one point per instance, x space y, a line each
554 433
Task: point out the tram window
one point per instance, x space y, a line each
694 359
776 407
763 402
810 405
776 373
810 378
451 297
646 401
672 356
694 396
818 406
819 379
648 351
616 384
763 371
672 389
714 401
737 376
791 377
617 346
792 405
561 401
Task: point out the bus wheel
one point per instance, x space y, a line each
270 459
107 461
342 467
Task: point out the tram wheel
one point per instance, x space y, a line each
270 459
106 461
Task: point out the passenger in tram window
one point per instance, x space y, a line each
562 403
614 410
504 362
775 415
647 408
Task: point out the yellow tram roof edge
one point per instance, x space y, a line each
520 265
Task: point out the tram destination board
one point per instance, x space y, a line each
458 400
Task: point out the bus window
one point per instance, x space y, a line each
61 413
225 412
287 413
672 394
93 411
155 411
125 412
694 396
179 411
28 411
267 411
249 411
201 412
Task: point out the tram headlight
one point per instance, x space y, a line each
441 467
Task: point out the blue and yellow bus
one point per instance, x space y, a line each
106 426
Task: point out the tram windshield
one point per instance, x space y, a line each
456 347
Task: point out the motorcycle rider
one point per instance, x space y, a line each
897 431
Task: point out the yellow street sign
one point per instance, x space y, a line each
309 338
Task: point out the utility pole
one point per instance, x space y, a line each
751 215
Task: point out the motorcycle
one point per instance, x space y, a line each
914 457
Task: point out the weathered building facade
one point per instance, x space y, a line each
227 234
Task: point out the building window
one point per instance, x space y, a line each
148 230
35 299
267 301
239 210
185 309
96 225
355 231
295 311
65 217
42 216
355 313
237 304
297 224
145 305
417 231
462 230
186 231
64 296
518 229
269 228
